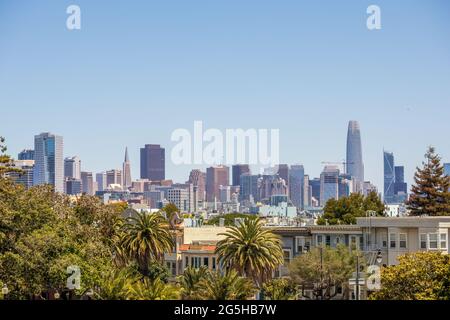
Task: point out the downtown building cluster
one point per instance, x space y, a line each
283 190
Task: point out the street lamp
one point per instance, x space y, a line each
5 291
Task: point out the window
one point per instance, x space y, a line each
402 240
299 244
214 263
433 240
328 241
287 256
319 240
443 241
423 241
196 262
206 261
187 262
392 240
337 240
384 240
353 243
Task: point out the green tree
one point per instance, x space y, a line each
323 270
430 194
189 281
153 289
347 209
229 218
280 289
251 250
227 286
172 214
418 276
146 237
6 162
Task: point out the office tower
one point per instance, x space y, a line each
400 186
237 171
100 178
296 185
389 177
73 186
271 185
369 187
329 184
306 192
198 179
72 167
225 194
346 185
181 197
24 178
447 169
114 177
249 190
215 177
315 189
153 164
126 171
355 165
26 155
87 183
49 163
283 172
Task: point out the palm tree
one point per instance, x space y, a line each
156 289
115 285
146 237
252 251
228 286
189 281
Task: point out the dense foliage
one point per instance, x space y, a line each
347 209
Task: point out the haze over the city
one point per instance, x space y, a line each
135 73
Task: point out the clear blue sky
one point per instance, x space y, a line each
137 70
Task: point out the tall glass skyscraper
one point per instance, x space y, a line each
355 165
389 177
49 162
447 169
296 184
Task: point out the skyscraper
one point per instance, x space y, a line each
296 185
355 165
126 171
153 163
87 183
114 177
49 163
26 155
100 178
389 177
25 177
447 169
329 184
72 167
215 177
249 187
237 171
198 180
283 172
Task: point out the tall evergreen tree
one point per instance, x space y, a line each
6 162
430 193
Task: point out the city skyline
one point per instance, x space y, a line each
164 76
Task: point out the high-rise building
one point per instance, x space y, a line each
72 167
237 171
87 183
126 171
296 185
49 162
114 177
26 155
389 177
182 197
215 177
100 178
355 165
198 179
447 169
271 185
25 177
153 163
73 186
306 192
283 172
329 184
400 186
315 189
225 194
